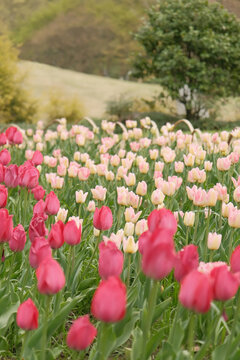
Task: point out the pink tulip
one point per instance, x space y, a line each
39 251
27 315
6 228
110 260
102 218
18 239
72 233
11 176
52 204
81 333
55 237
5 157
3 196
38 192
50 277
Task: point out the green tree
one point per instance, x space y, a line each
192 49
15 105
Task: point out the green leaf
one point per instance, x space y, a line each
160 308
137 345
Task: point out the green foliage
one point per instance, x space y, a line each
192 49
61 107
15 105
120 108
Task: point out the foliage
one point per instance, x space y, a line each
60 106
120 108
15 105
191 48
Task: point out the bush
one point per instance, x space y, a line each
120 108
15 104
60 106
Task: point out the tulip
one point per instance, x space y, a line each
10 134
99 193
235 260
130 215
141 227
6 228
83 173
3 139
27 315
81 333
109 300
81 196
28 175
189 159
179 166
207 165
163 219
37 158
72 233
2 173
38 192
5 157
130 179
158 256
196 292
214 241
3 196
18 239
52 204
55 237
91 206
129 229
50 277
102 218
39 251
129 246
234 218
39 209
37 227
186 261
110 260
225 284
189 218
141 188
157 197
11 176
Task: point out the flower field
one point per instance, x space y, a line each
119 242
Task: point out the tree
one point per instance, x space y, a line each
192 49
15 105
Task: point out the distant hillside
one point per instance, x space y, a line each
91 36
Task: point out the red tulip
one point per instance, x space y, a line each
158 259
37 158
52 204
163 219
55 237
3 139
50 277
27 315
6 227
3 196
11 176
81 334
110 260
225 284
37 227
71 233
10 132
109 300
186 261
38 192
235 260
17 137
39 209
102 218
142 240
18 239
28 175
39 251
2 173
196 291
5 157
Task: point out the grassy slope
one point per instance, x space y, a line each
92 90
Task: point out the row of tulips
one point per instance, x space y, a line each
116 250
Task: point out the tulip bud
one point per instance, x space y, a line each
129 229
61 215
81 333
18 239
214 241
27 315
52 204
110 260
129 246
102 218
50 277
141 188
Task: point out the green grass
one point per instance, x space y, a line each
93 91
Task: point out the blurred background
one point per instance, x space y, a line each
74 59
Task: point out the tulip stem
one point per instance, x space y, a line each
25 205
25 337
69 265
220 219
93 254
129 269
235 321
45 327
191 333
173 327
152 298
187 234
230 243
206 235
196 227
